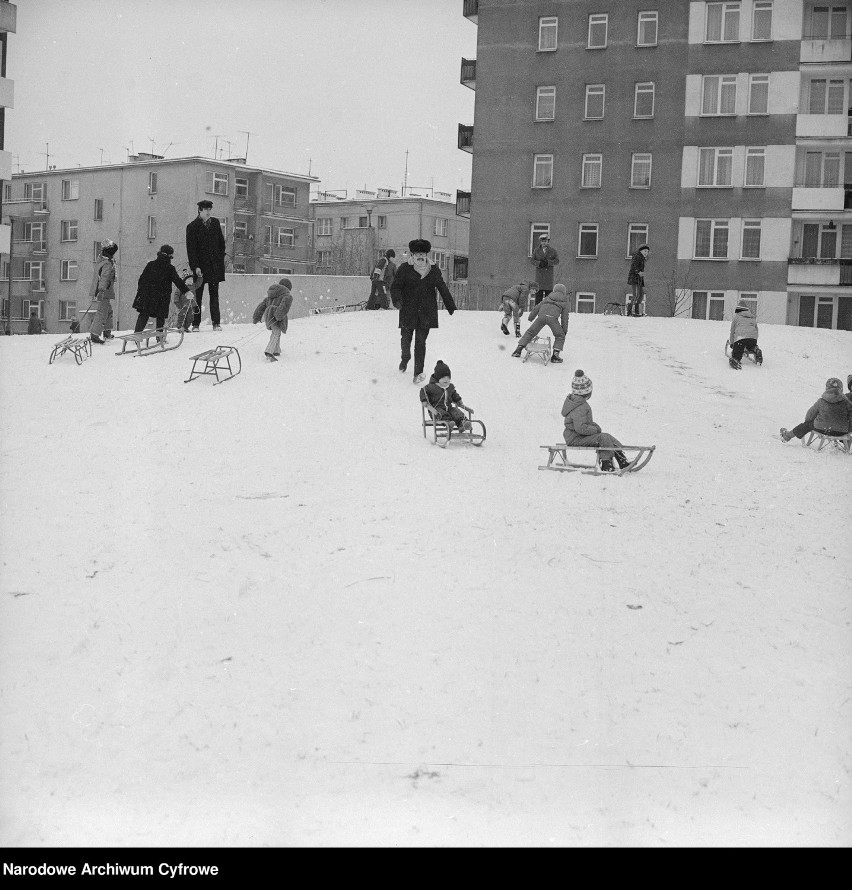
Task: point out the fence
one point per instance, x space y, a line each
478 297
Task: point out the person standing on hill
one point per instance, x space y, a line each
544 258
512 303
154 290
636 279
205 250
102 292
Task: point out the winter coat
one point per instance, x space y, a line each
554 305
34 325
154 291
637 266
578 418
75 327
103 280
832 412
439 398
516 293
273 308
390 272
417 297
743 327
205 248
544 259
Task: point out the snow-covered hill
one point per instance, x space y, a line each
270 613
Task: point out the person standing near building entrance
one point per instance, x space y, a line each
102 292
544 258
205 250
636 279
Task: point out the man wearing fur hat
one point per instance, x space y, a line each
415 288
205 249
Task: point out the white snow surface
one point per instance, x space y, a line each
270 613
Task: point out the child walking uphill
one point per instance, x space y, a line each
272 311
511 302
830 414
580 428
553 312
444 397
743 337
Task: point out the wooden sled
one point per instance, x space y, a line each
538 346
79 347
444 431
215 361
841 443
557 459
749 355
141 340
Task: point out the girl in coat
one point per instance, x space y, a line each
743 337
102 292
154 291
580 428
830 414
272 311
551 311
415 290
440 393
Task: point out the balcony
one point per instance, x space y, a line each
466 137
468 73
463 204
471 10
26 208
824 198
29 248
244 204
819 271
824 49
9 18
25 287
273 250
282 211
822 126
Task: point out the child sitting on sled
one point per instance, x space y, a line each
512 303
272 311
580 428
440 393
830 414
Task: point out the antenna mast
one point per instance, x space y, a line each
248 133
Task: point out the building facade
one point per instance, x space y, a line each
716 132
8 25
60 217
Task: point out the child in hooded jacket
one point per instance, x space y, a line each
830 414
440 393
272 311
551 311
743 337
511 303
580 428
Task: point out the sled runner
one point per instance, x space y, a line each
841 443
443 431
613 308
751 355
348 307
538 346
558 459
215 361
141 340
79 347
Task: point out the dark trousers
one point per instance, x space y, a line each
807 426
420 335
637 299
213 291
541 293
456 415
378 296
143 320
747 344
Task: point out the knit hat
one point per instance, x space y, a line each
442 370
834 384
287 283
559 287
108 248
642 247
166 250
581 385
419 245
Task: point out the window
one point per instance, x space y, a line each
708 305
758 94
28 306
828 22
7 191
643 100
68 270
440 227
597 31
640 170
362 222
819 240
826 97
70 189
4 270
67 309
152 183
588 246
585 302
240 187
755 165
547 28
344 222
323 257
241 229
637 234
761 20
592 166
536 231
719 94
285 195
382 222
267 236
286 237
750 300
715 167
711 239
217 183
542 172
723 23
646 30
34 271
152 228
545 103
751 239
68 230
822 169
323 225
99 209
459 267
822 308
595 96
35 232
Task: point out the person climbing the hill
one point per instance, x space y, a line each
512 304
580 428
743 337
551 311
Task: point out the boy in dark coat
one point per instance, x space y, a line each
415 288
154 291
273 312
440 393
34 323
830 414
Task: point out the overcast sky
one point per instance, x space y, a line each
340 88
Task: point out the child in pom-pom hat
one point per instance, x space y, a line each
580 428
830 414
440 393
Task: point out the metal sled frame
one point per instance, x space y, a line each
749 355
348 307
142 341
215 360
79 347
561 451
841 443
443 431
613 308
539 346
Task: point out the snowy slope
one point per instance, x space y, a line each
269 612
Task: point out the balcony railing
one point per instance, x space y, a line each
21 208
244 204
468 73
27 248
471 10
463 204
844 265
466 137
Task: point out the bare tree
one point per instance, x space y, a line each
677 296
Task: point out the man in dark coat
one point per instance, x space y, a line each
154 291
544 258
205 249
636 279
415 290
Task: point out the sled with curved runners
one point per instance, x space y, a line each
79 347
614 308
561 457
540 347
215 360
754 356
841 443
141 340
443 431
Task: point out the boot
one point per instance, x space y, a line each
621 457
758 355
403 366
503 328
96 339
517 330
606 466
517 352
555 357
785 436
734 364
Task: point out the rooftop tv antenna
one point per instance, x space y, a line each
248 133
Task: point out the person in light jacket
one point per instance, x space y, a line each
273 312
544 258
102 292
743 337
552 311
581 429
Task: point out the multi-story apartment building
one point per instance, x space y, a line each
8 25
349 234
717 132
59 218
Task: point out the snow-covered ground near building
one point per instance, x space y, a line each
270 613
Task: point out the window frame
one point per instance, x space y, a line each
241 229
723 81
655 19
761 6
542 161
755 151
321 254
716 224
285 233
327 223
152 182
152 228
381 222
636 93
441 223
602 19
217 179
280 191
727 6
718 154
632 229
545 24
582 298
634 161
591 160
751 225
588 229
593 90
754 79
64 312
241 187
712 298
65 267
68 230
72 192
536 231
540 94
99 210
826 103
